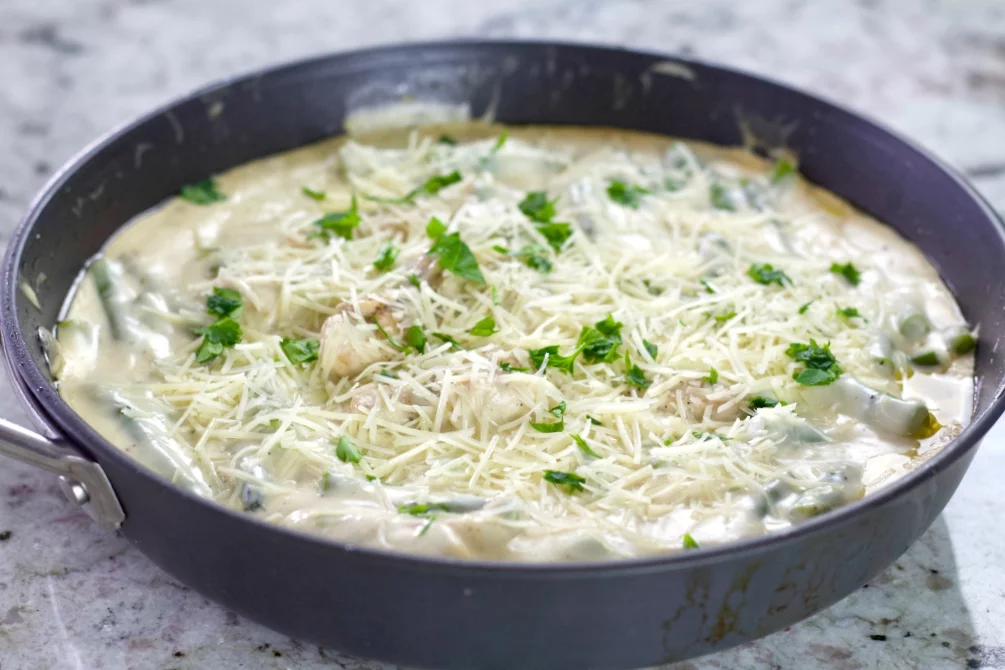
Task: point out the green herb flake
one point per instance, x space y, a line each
300 351
627 195
347 451
782 171
506 367
821 366
555 360
455 256
326 480
415 337
223 334
423 509
848 271
446 338
434 185
312 194
719 195
708 287
805 306
202 193
537 207
568 480
224 302
339 224
848 312
600 343
388 374
584 447
722 318
390 340
689 542
712 377
760 402
448 140
556 233
484 328
636 377
500 141
533 256
595 422
765 273
651 349
558 411
371 478
386 256
414 280
435 228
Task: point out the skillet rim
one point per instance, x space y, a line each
46 403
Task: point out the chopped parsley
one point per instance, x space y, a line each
300 351
423 509
558 411
708 287
388 374
387 336
386 256
765 273
416 338
719 195
635 376
584 447
712 377
689 542
722 318
760 402
563 363
446 338
435 228
347 451
448 140
202 193
848 271
223 334
414 280
500 141
570 481
848 312
224 302
600 343
805 306
782 171
537 207
595 422
533 256
431 186
484 328
455 256
312 194
821 366
651 349
555 233
627 195
506 367
340 224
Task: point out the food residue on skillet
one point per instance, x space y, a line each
530 344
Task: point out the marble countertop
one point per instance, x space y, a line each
73 596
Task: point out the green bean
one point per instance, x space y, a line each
816 501
927 358
109 292
155 446
959 340
875 408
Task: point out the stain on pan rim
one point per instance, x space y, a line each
50 406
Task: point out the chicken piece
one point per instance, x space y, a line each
427 268
348 347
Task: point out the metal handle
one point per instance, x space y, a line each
83 481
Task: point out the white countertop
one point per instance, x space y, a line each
73 596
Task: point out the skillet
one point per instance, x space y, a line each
438 612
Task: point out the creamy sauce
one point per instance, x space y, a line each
418 408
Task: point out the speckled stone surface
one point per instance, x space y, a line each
75 597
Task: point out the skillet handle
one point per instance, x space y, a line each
83 481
